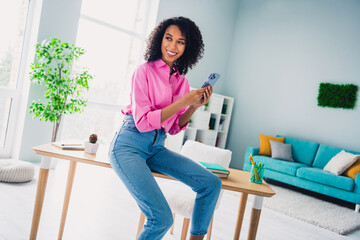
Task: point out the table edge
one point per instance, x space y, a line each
156 174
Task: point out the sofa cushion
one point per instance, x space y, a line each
353 170
302 151
265 148
340 162
325 153
326 178
281 151
279 165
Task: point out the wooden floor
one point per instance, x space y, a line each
102 209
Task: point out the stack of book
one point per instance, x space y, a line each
216 169
77 145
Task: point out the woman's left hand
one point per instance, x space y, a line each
205 100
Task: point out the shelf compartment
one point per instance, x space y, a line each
190 134
221 139
227 106
206 136
200 120
216 104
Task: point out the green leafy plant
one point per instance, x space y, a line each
52 68
337 95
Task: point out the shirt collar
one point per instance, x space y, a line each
160 63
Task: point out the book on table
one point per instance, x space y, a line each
221 175
70 144
217 169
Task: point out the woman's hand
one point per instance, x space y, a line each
207 93
194 97
200 97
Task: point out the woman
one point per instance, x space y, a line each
161 102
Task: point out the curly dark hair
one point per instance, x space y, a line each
194 43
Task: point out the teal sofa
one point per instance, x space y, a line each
307 170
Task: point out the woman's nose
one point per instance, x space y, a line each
173 44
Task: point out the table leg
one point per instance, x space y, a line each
255 217
208 235
70 180
141 223
40 194
240 217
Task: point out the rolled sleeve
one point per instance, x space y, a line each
175 127
154 118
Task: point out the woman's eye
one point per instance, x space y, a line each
168 38
181 42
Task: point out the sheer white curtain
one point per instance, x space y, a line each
113 33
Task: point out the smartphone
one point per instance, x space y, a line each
212 79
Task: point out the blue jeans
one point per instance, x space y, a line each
133 155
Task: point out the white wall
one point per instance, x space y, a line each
58 19
281 51
216 21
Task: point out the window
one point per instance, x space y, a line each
113 33
13 19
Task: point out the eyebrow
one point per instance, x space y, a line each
172 35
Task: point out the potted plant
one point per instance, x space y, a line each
92 146
52 68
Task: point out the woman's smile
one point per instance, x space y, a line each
171 54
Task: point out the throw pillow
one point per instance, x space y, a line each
353 170
340 162
281 151
265 148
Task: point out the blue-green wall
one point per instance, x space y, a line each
281 51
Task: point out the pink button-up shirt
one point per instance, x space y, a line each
151 91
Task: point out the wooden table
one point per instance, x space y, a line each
237 181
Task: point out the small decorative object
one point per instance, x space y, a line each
206 105
92 146
257 171
190 123
224 109
337 95
221 125
212 123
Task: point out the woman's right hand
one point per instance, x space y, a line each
194 96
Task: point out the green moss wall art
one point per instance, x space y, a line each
337 95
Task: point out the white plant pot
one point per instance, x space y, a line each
91 147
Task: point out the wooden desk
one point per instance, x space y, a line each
237 181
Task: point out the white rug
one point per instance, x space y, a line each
326 215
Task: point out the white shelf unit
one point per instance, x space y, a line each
209 125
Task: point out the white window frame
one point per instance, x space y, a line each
20 94
150 18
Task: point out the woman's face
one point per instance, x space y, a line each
173 45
